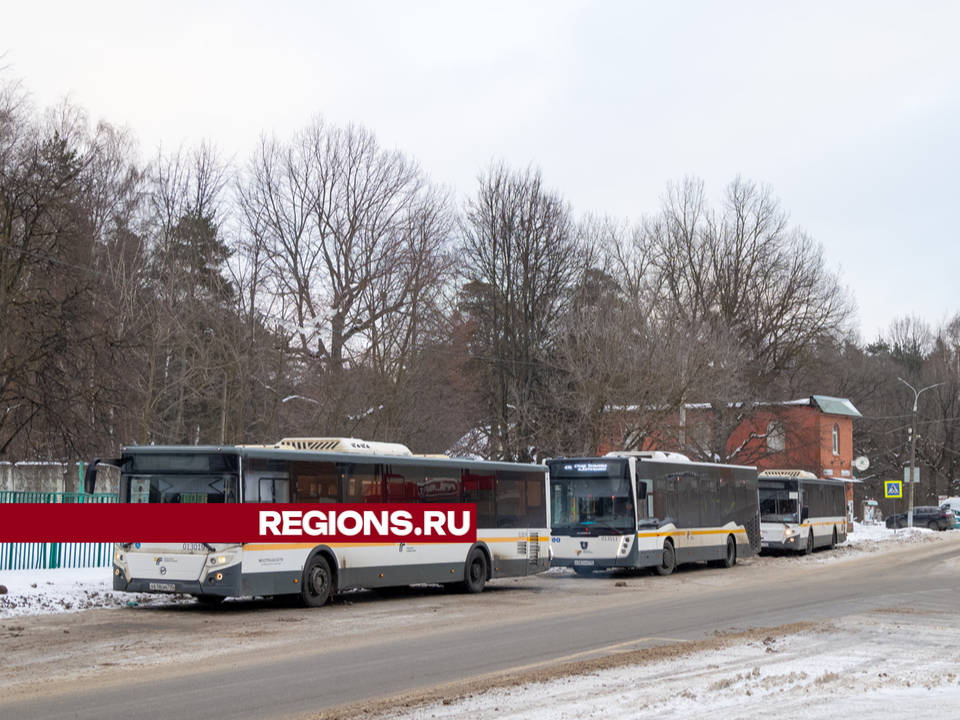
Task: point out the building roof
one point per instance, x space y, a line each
835 406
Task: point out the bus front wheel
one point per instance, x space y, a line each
475 573
209 599
809 547
669 561
316 582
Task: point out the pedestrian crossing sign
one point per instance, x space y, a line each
892 489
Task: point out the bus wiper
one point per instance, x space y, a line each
603 523
209 547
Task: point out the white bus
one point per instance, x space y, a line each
800 512
651 509
510 499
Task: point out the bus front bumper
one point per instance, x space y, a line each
789 543
223 583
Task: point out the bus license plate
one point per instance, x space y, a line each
166 587
583 562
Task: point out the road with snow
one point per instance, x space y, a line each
720 637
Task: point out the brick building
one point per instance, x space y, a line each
813 434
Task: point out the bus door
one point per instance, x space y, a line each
688 501
266 481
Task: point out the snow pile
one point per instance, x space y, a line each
37 592
865 668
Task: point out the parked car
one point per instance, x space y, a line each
924 516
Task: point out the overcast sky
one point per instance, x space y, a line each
849 110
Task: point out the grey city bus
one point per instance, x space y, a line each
510 500
651 509
800 512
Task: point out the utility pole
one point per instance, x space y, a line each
913 447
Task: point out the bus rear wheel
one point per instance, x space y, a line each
730 556
669 561
475 572
833 540
316 582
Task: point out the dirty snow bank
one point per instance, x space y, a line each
37 592
874 663
866 668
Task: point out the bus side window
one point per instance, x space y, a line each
266 490
396 487
274 490
360 483
315 482
536 501
403 483
230 492
441 487
644 499
479 488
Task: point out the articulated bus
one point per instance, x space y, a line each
510 499
651 509
800 512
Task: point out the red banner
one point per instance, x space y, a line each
295 523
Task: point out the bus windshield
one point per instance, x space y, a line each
779 500
160 478
592 496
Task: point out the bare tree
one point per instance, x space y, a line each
523 262
351 239
746 285
68 199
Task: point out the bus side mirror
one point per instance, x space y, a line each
90 477
641 491
804 513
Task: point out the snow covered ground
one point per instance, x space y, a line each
874 665
869 665
36 592
866 668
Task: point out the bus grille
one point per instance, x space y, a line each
534 548
753 532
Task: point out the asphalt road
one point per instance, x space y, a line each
511 628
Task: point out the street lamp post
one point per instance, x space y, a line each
913 447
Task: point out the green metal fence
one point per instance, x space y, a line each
44 556
23 496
